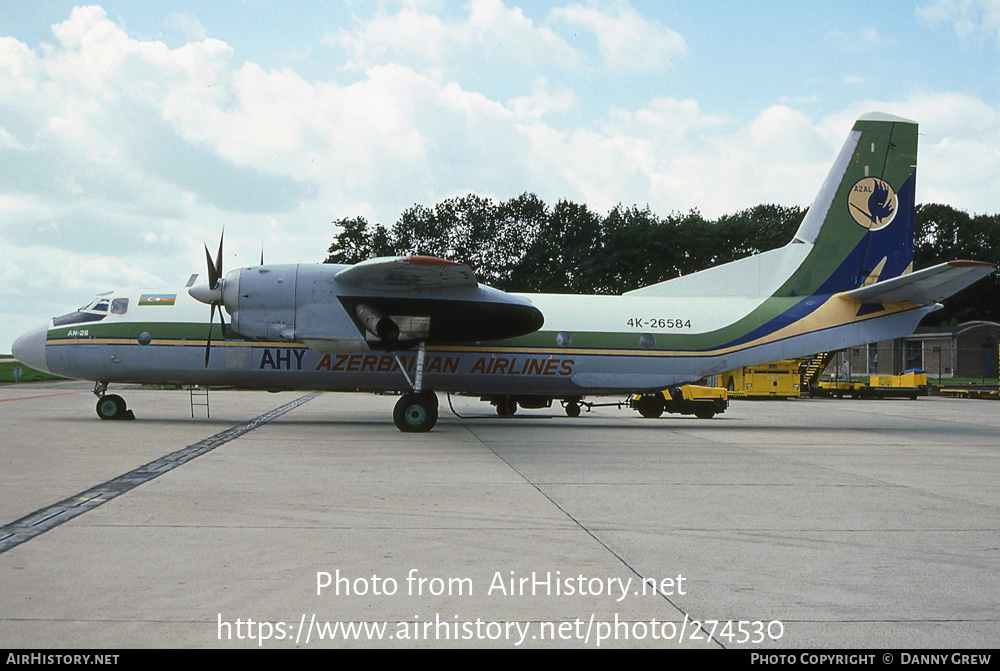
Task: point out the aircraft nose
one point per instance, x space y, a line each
29 349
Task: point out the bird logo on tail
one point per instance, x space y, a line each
872 203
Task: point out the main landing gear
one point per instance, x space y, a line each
417 410
110 406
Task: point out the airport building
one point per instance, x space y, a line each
968 350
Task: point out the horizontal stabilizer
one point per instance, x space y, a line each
925 287
405 273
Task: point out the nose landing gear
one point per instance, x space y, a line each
110 406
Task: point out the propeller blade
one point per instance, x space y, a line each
213 274
208 342
218 256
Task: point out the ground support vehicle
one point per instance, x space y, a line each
690 399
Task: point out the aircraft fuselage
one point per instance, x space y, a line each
588 345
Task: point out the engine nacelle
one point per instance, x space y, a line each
261 302
305 303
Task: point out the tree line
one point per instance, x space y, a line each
524 245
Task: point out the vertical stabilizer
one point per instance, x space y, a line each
858 230
861 222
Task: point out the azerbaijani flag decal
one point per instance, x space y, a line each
157 299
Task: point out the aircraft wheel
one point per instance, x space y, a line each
507 406
649 405
572 409
432 397
111 406
416 413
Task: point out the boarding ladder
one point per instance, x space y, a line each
810 371
199 397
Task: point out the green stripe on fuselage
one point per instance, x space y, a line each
130 330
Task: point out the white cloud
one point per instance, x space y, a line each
188 26
120 156
673 157
415 37
128 147
625 39
860 39
970 19
542 101
407 33
670 121
596 168
516 37
959 149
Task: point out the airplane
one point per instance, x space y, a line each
417 325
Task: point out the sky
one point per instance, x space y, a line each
131 133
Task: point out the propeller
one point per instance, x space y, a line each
211 293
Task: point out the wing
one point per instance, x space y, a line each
408 273
409 298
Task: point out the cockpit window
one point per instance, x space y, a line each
94 311
78 317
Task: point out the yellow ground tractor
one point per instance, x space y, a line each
702 402
780 379
958 392
910 384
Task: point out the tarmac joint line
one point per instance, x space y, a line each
48 517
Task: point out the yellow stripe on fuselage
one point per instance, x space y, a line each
836 311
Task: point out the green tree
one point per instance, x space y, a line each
490 237
627 261
520 221
565 255
757 229
944 233
354 242
523 245
471 226
419 231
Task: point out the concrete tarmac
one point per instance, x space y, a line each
798 524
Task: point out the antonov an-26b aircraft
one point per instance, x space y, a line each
418 324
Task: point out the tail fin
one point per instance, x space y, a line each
861 222
858 230
847 275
